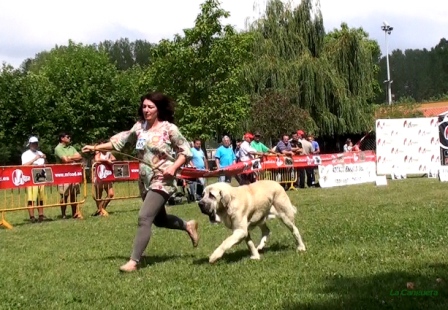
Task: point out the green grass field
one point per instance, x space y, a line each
363 243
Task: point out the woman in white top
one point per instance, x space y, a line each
100 186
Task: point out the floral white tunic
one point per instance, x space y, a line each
154 146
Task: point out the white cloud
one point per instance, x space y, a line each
28 26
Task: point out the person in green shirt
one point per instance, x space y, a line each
66 154
258 145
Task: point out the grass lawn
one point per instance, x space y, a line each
363 243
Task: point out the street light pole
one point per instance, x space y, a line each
387 30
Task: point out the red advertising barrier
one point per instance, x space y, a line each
270 162
129 170
23 176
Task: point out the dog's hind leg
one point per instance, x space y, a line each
293 228
253 250
265 232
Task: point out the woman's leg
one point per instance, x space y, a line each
110 194
153 211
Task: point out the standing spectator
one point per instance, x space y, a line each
100 186
237 156
348 145
34 157
315 144
296 145
67 154
258 145
296 148
247 153
237 149
284 146
307 149
224 157
198 161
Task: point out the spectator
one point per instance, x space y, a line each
198 161
34 157
307 149
296 145
103 156
348 145
225 157
248 153
284 146
315 144
67 154
258 145
237 156
237 149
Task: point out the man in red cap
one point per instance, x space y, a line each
246 153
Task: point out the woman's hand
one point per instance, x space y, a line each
169 172
88 149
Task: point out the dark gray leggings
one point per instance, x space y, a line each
153 211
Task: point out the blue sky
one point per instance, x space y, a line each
28 26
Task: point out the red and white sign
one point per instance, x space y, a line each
410 145
347 174
23 176
117 171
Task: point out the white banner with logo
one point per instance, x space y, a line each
347 174
407 145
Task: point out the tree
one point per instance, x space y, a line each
332 78
274 115
202 71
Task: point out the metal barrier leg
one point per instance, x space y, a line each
294 179
4 223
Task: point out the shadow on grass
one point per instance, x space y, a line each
27 221
383 291
238 255
123 211
147 261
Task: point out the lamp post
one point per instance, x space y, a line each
387 30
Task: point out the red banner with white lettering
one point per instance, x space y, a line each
116 171
23 176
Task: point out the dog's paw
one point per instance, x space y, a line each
301 248
213 258
255 257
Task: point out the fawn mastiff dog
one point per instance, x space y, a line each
245 207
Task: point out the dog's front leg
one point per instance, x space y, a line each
237 236
253 250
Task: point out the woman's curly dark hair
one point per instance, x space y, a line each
164 104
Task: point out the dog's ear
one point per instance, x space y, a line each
225 197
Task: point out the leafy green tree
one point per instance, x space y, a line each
203 71
331 77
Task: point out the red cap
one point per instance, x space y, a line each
248 135
300 132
